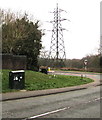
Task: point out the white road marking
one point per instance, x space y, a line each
97 99
58 110
48 113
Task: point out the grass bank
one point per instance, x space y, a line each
40 81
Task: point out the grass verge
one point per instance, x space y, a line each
40 81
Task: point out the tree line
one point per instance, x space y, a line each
21 36
94 63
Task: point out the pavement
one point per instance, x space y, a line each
26 94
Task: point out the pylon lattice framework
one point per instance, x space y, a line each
57 48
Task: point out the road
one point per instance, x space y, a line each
75 104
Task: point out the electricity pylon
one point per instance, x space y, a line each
57 48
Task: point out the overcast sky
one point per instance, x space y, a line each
83 37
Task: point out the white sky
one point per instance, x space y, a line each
83 37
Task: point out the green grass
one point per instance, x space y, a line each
40 81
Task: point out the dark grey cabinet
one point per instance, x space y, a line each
17 79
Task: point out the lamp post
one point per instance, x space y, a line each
85 65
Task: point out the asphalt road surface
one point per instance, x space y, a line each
75 104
